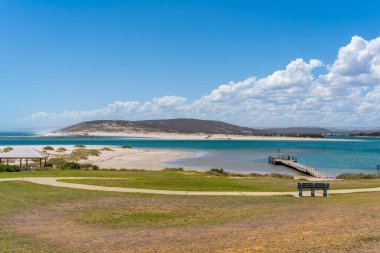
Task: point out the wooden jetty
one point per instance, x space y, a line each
291 162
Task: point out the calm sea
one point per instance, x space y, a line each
356 155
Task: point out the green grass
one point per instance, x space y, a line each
108 210
17 196
121 217
195 181
187 180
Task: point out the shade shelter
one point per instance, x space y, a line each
26 154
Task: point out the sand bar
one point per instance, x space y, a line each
122 158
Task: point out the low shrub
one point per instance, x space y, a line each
83 154
106 149
48 148
256 175
234 174
7 149
61 149
221 172
57 161
277 175
48 165
126 146
218 172
358 176
70 166
9 168
89 166
80 146
173 169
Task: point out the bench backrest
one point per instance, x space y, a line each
313 185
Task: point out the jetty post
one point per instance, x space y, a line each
291 162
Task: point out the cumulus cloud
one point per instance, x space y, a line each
347 95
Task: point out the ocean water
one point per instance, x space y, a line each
356 155
16 134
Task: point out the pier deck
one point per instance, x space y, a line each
293 164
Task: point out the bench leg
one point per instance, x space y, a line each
324 193
300 192
312 193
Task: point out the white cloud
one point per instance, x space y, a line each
347 95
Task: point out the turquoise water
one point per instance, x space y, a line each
356 155
16 134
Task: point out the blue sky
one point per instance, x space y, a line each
80 56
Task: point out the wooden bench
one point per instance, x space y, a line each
312 187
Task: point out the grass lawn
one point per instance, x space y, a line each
187 180
16 197
196 181
36 218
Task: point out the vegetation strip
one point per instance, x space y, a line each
54 182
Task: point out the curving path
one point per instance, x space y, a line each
52 181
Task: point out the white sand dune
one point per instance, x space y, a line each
122 158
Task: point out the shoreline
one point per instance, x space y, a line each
200 136
120 158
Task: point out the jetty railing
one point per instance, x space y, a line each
291 162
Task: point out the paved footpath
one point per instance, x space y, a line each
52 181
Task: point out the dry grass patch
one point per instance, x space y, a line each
7 149
82 154
106 149
61 150
345 223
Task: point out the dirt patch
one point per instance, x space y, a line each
288 227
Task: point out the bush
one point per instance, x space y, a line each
61 149
48 148
221 172
80 146
48 165
57 162
89 166
217 172
277 175
126 146
70 166
173 169
83 154
358 176
106 149
9 168
7 149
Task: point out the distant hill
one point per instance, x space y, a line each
300 130
188 126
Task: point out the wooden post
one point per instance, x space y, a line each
7 161
40 162
20 164
27 163
45 162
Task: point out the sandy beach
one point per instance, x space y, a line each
200 136
121 158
